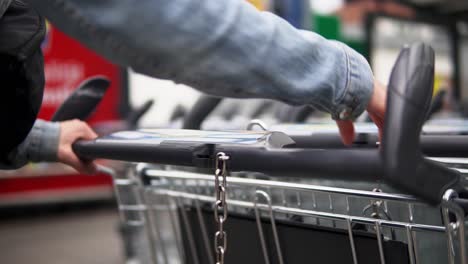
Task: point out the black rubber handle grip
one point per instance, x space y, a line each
170 154
409 94
409 97
431 145
83 101
343 164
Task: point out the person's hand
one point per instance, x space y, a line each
71 131
376 110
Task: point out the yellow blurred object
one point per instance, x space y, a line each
259 4
441 82
437 83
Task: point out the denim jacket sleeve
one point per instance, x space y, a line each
41 144
224 48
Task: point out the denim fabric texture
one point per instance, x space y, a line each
225 48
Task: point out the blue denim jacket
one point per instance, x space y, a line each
224 48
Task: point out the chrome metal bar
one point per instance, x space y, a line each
298 199
260 232
134 208
123 182
116 184
279 184
204 231
150 231
462 237
378 229
332 209
134 223
175 230
385 203
445 213
308 213
273 224
351 240
413 233
189 231
141 199
458 161
140 193
314 205
347 205
459 224
283 197
410 213
159 238
409 236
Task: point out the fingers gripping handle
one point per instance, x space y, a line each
408 101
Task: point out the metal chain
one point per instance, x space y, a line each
220 210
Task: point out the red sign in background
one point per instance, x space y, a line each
67 64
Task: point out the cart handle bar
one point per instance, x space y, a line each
399 162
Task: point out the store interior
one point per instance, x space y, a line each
51 214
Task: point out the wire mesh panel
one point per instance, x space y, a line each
272 221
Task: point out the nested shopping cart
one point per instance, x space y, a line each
274 221
265 197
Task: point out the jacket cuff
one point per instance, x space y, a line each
42 142
359 86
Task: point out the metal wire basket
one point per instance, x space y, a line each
272 221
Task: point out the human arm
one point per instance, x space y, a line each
51 142
224 48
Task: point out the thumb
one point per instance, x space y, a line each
346 128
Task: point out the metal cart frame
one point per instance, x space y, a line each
398 163
171 189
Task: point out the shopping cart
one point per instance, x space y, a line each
272 221
275 206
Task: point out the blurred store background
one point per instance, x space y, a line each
50 214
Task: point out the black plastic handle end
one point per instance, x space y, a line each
409 96
84 100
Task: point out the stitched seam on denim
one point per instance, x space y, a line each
322 104
349 98
348 76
